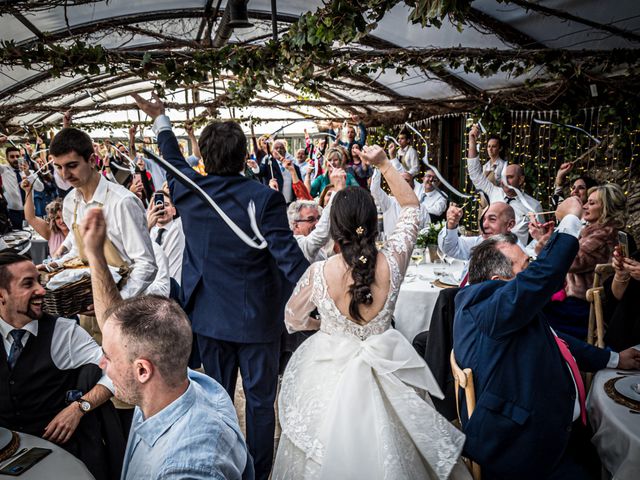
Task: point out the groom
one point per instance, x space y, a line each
234 294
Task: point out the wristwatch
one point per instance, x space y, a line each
84 405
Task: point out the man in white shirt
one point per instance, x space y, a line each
407 157
513 176
498 219
128 239
12 176
494 167
166 230
428 193
390 206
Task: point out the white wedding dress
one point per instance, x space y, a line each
353 401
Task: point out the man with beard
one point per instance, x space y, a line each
12 176
38 373
184 424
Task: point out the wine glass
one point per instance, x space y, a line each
417 255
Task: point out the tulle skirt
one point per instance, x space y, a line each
352 409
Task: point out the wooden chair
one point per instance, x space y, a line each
595 333
464 379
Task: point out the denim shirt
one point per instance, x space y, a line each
196 436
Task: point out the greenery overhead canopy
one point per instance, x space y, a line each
318 54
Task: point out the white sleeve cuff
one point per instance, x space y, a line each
614 359
161 124
571 225
108 384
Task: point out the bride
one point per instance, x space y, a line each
353 402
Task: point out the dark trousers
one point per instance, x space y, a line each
16 217
258 364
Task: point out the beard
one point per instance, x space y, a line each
128 390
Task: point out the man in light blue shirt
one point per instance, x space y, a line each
184 424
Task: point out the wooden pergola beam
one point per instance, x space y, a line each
537 7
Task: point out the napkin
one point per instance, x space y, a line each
74 274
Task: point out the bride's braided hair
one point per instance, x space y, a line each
354 227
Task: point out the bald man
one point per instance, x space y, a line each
512 176
498 219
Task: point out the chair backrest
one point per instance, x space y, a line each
464 379
595 331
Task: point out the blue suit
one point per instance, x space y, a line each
235 294
524 390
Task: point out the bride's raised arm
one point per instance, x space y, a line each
300 305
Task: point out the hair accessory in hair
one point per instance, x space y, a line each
368 296
360 230
363 259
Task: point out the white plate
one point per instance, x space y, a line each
629 387
5 437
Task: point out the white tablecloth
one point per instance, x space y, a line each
418 296
59 464
617 431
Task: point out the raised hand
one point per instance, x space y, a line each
474 133
374 155
392 150
454 215
338 178
154 107
94 231
569 206
66 119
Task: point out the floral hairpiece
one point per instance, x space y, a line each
363 259
359 230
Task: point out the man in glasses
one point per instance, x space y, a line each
434 199
310 223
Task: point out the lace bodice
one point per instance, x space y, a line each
311 290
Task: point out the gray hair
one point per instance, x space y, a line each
158 330
293 212
487 260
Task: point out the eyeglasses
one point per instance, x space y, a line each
308 220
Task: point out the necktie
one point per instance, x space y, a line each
161 232
566 354
16 347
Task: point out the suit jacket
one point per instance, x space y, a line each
230 291
525 395
266 175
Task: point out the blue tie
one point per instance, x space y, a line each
16 347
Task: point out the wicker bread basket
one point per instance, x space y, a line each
74 297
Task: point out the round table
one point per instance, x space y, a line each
58 464
418 296
616 430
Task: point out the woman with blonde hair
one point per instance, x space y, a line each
605 213
335 157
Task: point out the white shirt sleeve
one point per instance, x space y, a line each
161 124
377 193
570 224
137 245
161 285
477 177
318 238
73 347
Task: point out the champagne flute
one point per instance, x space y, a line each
380 239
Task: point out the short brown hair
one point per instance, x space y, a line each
159 330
